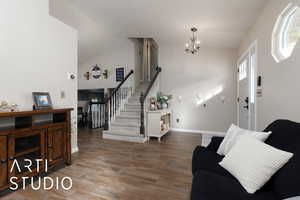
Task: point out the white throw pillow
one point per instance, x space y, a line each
253 162
233 133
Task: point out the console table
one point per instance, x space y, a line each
158 123
37 134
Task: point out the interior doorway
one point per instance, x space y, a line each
150 59
246 88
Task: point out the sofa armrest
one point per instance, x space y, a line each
215 143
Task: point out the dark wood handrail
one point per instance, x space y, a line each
143 98
118 87
145 94
105 111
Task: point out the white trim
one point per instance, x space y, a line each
75 149
247 55
212 133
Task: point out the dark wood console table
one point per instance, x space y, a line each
38 134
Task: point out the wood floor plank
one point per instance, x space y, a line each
116 170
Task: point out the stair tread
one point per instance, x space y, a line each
128 116
127 124
123 133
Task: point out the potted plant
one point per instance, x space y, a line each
163 100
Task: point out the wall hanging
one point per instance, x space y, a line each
96 72
120 71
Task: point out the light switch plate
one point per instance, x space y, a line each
62 94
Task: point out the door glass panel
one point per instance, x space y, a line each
243 70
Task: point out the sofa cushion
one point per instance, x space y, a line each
205 159
253 162
233 134
210 186
286 136
215 143
286 181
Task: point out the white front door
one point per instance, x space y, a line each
247 82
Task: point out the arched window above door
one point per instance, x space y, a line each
286 33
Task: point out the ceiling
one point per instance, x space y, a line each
221 23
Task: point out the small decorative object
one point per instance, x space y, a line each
120 71
96 72
6 107
87 75
42 100
153 105
105 74
163 100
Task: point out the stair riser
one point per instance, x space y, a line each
122 128
124 138
136 107
127 120
126 113
132 110
134 102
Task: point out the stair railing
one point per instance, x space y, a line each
102 113
143 98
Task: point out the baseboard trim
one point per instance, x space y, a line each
75 150
210 133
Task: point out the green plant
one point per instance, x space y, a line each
163 98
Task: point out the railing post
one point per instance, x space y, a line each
91 116
106 124
142 128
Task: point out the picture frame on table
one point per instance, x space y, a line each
42 101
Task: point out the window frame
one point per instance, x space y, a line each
280 48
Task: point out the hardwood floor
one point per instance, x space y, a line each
113 170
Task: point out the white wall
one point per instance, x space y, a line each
280 81
120 53
188 76
36 53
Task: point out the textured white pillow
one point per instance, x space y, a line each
253 162
233 133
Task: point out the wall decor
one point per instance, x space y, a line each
120 71
42 100
6 107
96 72
87 75
105 74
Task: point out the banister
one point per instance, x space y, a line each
143 98
102 113
158 70
120 84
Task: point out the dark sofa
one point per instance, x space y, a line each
212 182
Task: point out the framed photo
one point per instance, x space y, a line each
42 100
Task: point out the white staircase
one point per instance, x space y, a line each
126 125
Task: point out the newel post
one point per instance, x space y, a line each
142 128
106 123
